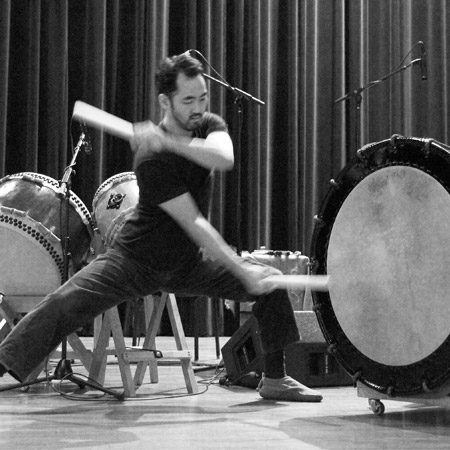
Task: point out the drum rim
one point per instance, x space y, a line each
82 236
421 376
77 204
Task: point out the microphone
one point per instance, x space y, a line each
423 62
87 139
190 52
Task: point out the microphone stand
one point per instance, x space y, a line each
239 97
356 96
63 370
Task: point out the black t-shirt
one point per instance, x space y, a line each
150 234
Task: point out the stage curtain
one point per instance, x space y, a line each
286 54
298 57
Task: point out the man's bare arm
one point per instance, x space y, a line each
214 152
184 211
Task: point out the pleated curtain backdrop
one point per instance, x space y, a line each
298 57
383 33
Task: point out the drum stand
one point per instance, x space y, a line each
63 370
438 398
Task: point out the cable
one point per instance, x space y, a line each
101 397
212 68
404 59
80 397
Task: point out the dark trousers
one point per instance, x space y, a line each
115 277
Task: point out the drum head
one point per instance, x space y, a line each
33 261
384 239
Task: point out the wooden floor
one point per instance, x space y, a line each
163 417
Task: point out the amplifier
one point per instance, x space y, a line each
307 360
242 353
311 364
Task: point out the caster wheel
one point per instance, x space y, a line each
376 406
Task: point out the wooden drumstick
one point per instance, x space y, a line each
102 120
314 282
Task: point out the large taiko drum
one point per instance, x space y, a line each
383 237
115 198
33 225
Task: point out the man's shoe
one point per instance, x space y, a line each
287 389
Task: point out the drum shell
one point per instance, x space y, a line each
38 197
115 195
33 225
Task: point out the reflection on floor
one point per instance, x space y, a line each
162 416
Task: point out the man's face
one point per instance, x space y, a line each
189 103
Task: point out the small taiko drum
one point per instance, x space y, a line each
33 226
117 194
289 263
117 223
383 237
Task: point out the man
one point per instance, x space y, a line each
167 244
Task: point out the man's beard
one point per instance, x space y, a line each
192 124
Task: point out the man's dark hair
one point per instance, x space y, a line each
167 74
